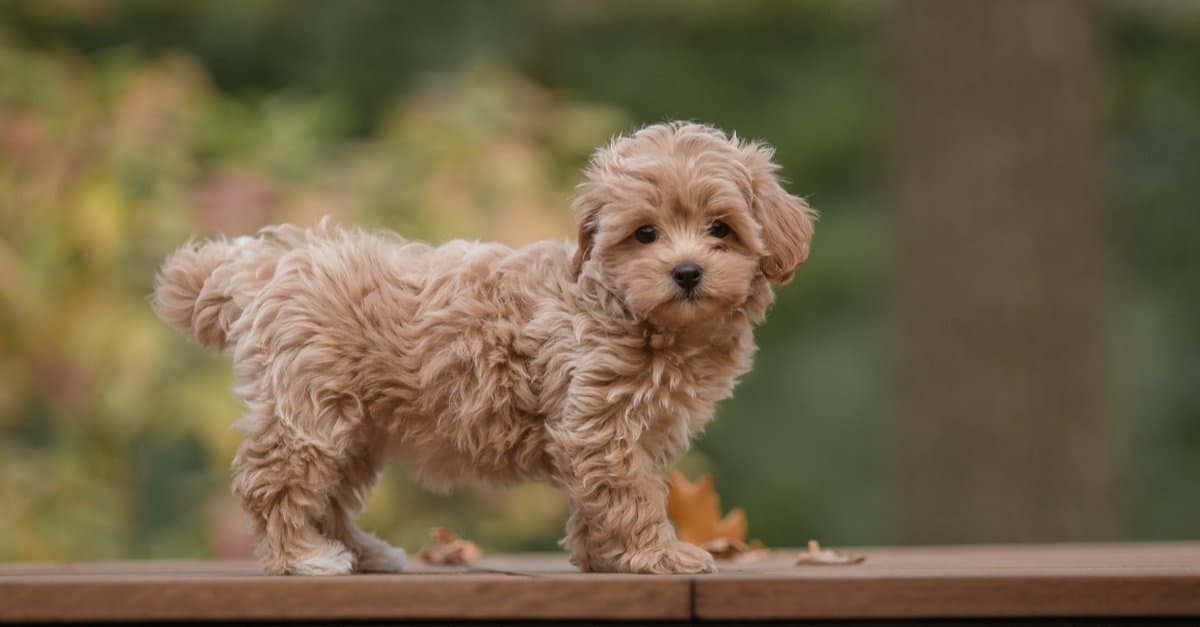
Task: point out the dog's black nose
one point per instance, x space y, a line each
687 275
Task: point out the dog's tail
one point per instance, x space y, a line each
203 288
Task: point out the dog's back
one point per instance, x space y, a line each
204 288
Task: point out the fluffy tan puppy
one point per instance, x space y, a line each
589 365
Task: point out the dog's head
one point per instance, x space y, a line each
686 223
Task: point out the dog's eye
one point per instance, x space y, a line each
645 234
718 229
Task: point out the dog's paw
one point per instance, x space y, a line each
383 559
332 559
675 558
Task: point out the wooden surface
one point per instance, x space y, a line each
967 582
963 582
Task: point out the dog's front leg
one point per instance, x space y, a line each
619 519
622 524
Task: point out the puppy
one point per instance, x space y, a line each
589 365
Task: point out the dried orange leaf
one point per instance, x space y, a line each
695 509
818 555
449 549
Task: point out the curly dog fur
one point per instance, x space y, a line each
590 365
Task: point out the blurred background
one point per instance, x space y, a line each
996 339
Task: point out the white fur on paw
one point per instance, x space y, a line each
689 558
384 559
677 558
333 560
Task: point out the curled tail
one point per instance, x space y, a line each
202 289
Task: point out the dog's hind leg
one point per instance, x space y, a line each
286 482
373 554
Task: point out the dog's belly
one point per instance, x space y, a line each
470 419
496 454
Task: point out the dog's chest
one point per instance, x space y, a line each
679 390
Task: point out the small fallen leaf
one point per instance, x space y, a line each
736 550
725 548
449 549
820 556
751 556
695 509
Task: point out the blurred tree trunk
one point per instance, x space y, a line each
1001 277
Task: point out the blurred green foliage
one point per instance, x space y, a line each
127 126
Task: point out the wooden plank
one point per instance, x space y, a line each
964 582
926 582
525 563
377 597
224 591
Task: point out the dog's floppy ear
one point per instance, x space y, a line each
587 231
786 220
586 208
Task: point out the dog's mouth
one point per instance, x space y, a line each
677 307
703 303
698 296
691 301
686 308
